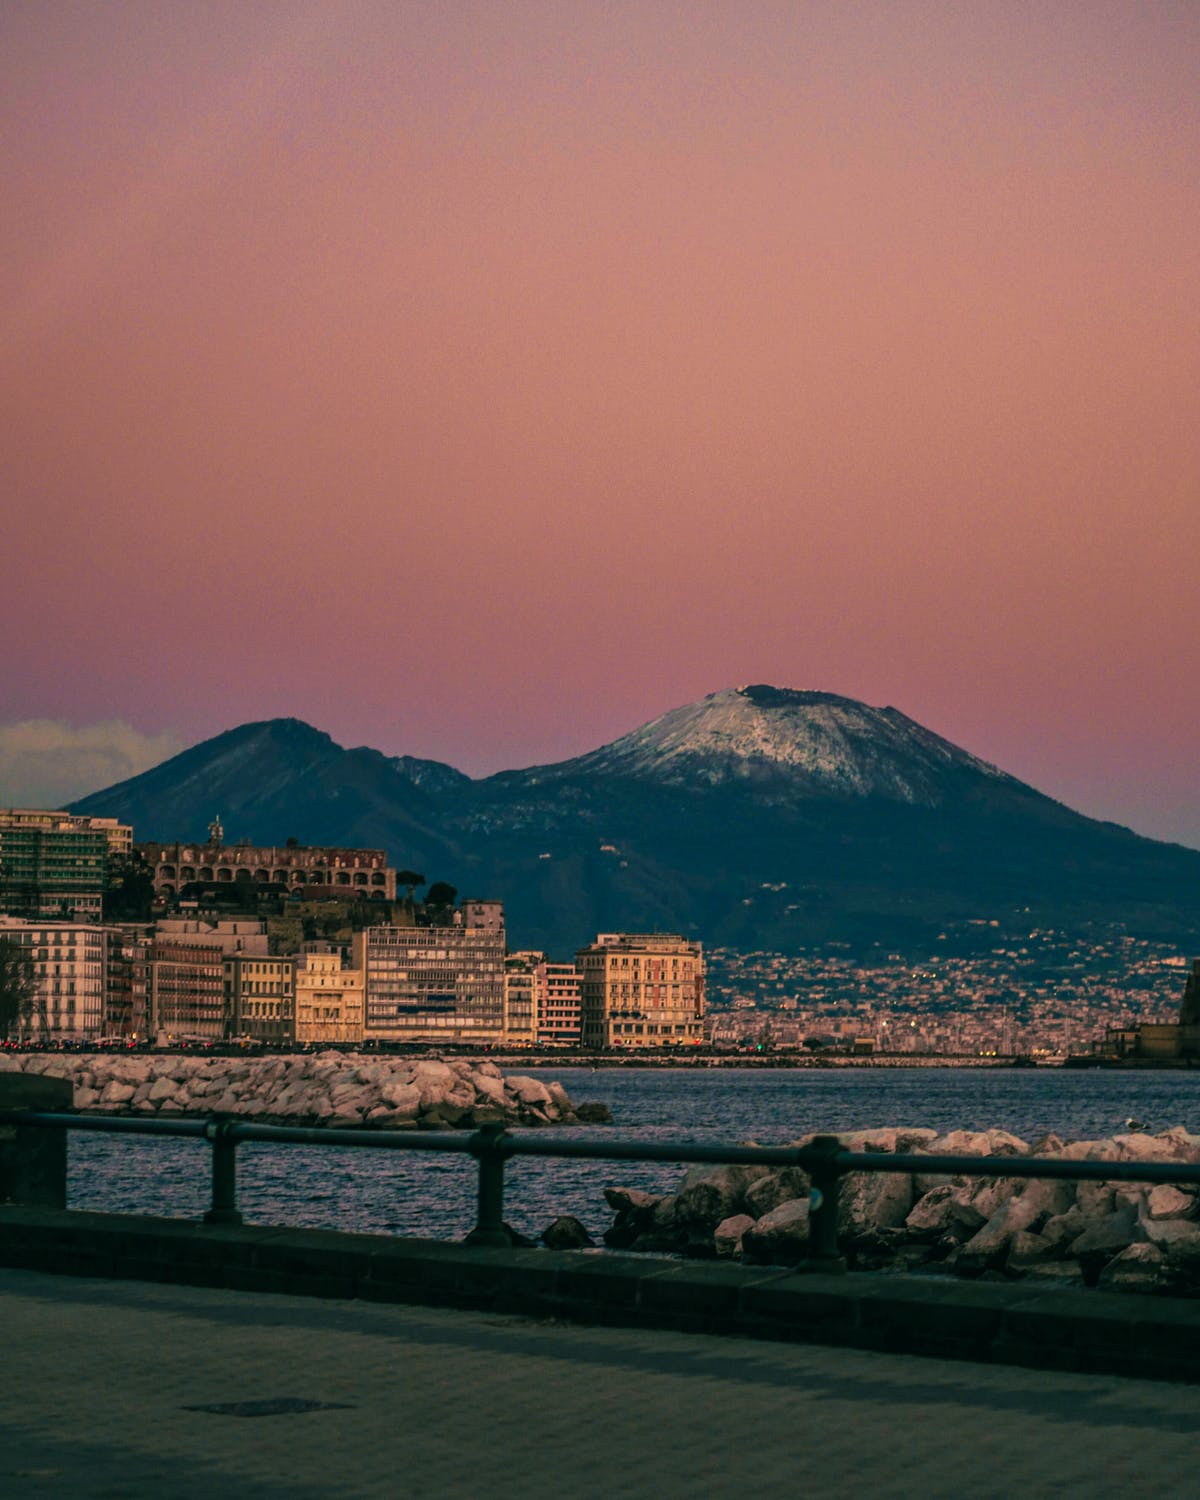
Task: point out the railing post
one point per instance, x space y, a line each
224 1209
487 1146
823 1253
33 1160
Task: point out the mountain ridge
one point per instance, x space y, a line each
756 817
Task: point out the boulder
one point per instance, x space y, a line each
780 1237
1027 1249
773 1188
1103 1239
1138 1268
869 1201
1095 1199
566 1233
727 1237
1060 1230
403 1098
938 1211
1171 1234
528 1090
988 1247
162 1088
710 1194
1168 1202
626 1200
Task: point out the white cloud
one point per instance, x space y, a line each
46 763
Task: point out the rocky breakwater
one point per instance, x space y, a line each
1116 1235
326 1088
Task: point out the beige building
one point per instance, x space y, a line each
259 997
435 984
641 990
229 936
330 999
69 962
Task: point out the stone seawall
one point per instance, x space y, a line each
1122 1236
325 1088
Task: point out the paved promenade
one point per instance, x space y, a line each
101 1380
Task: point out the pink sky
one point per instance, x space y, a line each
477 381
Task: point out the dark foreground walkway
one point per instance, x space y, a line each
101 1381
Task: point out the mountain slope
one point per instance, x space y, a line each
758 817
276 780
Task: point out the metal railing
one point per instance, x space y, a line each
825 1161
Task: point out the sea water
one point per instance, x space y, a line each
414 1193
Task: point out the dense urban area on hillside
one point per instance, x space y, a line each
1042 992
105 940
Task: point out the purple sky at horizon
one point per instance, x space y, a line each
478 382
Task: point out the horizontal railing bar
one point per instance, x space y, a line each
380 1140
627 1149
114 1124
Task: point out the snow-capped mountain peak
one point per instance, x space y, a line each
820 743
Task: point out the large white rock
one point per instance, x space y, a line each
528 1090
116 1092
1167 1202
403 1098
873 1200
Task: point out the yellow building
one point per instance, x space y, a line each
330 1002
641 990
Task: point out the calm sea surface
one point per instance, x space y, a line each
412 1193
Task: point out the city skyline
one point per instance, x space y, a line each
479 383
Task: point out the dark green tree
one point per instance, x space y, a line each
16 986
439 904
130 893
410 880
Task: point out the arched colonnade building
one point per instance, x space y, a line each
342 872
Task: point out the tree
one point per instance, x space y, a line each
410 880
17 985
130 893
439 903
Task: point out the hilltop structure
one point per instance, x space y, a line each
290 870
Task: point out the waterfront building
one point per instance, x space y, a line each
259 997
524 992
127 981
186 991
641 990
558 1018
329 998
290 870
68 960
56 865
435 984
